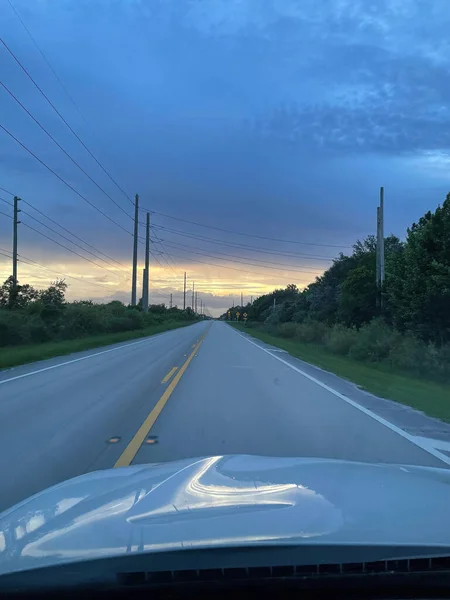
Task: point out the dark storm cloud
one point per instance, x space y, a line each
274 116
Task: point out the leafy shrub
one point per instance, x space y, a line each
311 331
374 342
408 353
339 339
287 330
11 331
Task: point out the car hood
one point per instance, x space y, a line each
226 501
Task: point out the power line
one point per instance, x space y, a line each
48 63
67 248
29 261
63 119
63 180
3 190
63 150
73 234
5 214
242 246
261 237
232 268
283 267
69 240
263 262
6 202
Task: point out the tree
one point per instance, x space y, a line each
357 299
19 296
420 290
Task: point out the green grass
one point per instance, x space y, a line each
428 396
12 356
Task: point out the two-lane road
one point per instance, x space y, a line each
195 391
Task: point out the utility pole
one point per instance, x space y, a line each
184 293
15 223
377 268
242 300
201 306
251 299
193 287
145 284
381 246
144 278
170 300
135 250
196 302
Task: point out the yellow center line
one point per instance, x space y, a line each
169 375
132 449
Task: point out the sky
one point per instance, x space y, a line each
277 119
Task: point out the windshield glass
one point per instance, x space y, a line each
224 232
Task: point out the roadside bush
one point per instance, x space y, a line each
35 331
374 342
437 361
11 332
339 339
287 330
311 331
408 353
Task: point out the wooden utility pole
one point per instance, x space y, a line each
15 223
184 293
380 251
145 286
135 250
377 273
242 300
381 246
193 287
170 300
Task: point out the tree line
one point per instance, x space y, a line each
407 323
31 316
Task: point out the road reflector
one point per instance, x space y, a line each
114 440
151 439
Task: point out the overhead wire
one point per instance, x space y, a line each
32 262
63 180
73 234
234 268
69 240
284 268
64 151
261 237
48 64
67 248
63 119
263 262
241 246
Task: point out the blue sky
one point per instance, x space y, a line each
279 118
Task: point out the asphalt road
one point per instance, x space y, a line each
195 391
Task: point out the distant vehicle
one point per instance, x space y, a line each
233 522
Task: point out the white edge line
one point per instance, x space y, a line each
364 410
69 362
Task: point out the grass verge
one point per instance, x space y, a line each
428 396
12 356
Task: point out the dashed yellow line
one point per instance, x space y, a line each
169 375
131 450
